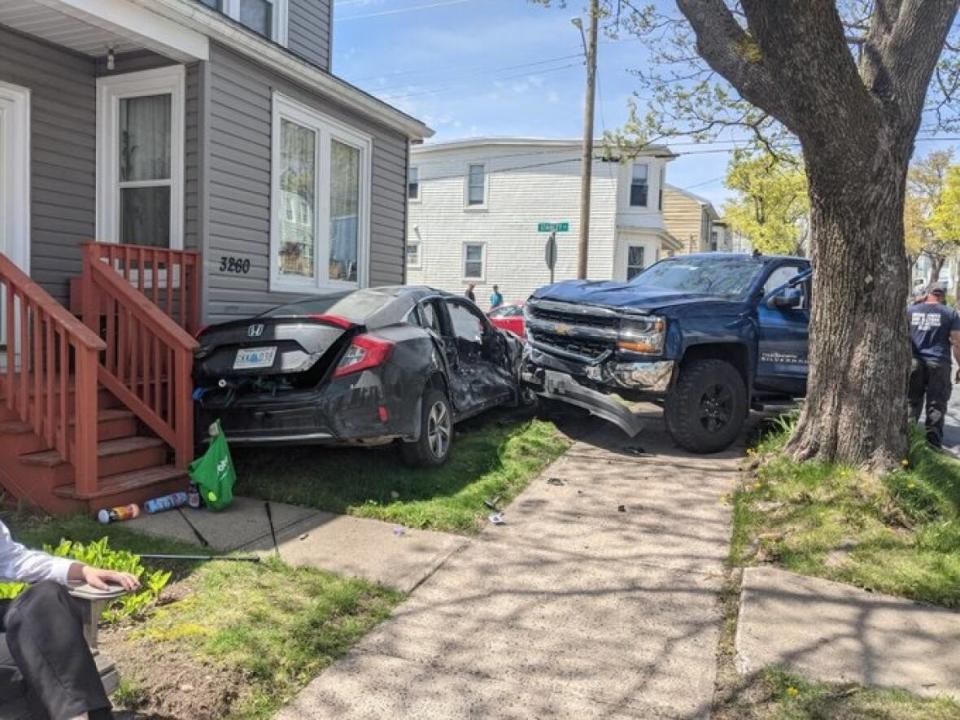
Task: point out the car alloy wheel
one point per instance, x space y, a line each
716 407
439 429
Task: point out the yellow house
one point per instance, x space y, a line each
692 220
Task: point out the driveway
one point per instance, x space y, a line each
598 598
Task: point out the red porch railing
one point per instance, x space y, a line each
170 278
45 345
149 355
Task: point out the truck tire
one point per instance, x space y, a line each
436 432
706 409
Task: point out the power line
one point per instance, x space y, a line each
399 11
476 68
392 98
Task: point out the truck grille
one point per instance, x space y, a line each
573 318
587 348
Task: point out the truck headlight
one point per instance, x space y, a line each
642 335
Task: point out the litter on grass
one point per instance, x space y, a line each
497 519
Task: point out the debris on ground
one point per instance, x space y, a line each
497 519
399 531
555 481
305 536
637 451
492 503
622 508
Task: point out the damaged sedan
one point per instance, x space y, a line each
367 367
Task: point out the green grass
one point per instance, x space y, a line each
279 626
492 456
897 534
777 695
273 626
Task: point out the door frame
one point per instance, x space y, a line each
15 176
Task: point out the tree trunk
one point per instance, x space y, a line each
936 265
855 409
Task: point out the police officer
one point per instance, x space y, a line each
934 327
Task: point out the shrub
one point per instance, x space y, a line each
99 554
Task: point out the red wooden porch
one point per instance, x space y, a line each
99 411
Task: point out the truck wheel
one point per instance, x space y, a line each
436 432
705 411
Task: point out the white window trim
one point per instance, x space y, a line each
281 13
419 196
483 262
466 188
326 129
110 90
633 166
15 179
419 264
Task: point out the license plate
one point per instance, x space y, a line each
254 358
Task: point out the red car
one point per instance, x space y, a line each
509 317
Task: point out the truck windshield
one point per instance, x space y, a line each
728 277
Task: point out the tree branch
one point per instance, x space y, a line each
724 45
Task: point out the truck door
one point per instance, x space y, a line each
783 316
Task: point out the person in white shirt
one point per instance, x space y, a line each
41 634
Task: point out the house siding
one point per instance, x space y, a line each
62 153
310 29
684 217
526 186
238 143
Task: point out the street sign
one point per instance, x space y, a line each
550 254
553 227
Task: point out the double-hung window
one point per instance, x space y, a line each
321 195
476 185
639 186
413 255
140 128
473 261
266 17
413 183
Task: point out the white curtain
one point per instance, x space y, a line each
298 180
145 155
344 211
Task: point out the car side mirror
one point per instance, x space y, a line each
785 299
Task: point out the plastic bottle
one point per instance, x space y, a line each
167 502
193 496
121 512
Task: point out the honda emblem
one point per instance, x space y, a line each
255 330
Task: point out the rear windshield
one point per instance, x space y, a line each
355 305
727 277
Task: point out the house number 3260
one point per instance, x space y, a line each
234 265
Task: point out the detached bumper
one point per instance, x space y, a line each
558 386
653 376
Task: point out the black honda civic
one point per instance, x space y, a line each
367 367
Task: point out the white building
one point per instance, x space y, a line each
476 208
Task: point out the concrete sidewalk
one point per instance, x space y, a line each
359 547
599 597
842 634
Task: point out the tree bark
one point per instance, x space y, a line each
936 265
855 409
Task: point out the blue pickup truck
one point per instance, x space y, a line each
707 336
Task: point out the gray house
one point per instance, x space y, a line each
165 164
211 125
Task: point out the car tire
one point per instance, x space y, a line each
436 432
707 407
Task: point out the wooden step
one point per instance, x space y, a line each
105 450
125 483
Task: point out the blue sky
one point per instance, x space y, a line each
499 67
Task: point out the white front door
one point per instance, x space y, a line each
14 182
633 255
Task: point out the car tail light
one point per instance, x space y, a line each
365 352
340 322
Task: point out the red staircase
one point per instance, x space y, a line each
99 413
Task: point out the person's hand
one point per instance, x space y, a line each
102 579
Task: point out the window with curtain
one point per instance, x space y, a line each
144 181
475 185
638 185
320 218
344 211
298 179
634 261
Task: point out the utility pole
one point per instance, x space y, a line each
586 169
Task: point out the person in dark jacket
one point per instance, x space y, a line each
934 335
470 294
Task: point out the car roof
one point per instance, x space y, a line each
373 307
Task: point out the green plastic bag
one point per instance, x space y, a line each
213 473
